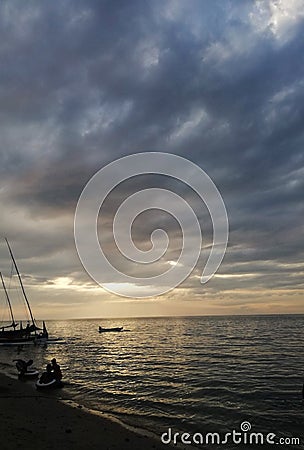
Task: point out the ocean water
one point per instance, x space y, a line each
193 374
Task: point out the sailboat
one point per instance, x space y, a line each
15 333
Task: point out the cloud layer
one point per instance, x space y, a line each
218 82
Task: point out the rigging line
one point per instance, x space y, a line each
20 303
21 284
16 296
8 301
19 300
11 276
3 315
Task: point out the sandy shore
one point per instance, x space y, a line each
30 419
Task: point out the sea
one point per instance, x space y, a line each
175 375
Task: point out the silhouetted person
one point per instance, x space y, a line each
56 370
22 366
47 376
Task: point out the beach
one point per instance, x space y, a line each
31 419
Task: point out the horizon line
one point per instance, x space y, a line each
173 316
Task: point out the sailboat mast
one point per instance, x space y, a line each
21 284
8 301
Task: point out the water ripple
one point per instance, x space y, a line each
191 374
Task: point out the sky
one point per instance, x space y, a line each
218 82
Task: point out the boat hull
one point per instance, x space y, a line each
54 384
21 341
33 342
29 374
109 330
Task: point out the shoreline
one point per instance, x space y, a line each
31 418
68 399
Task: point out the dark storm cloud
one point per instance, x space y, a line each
82 83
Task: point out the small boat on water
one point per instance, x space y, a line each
14 333
106 330
53 384
30 374
23 369
51 378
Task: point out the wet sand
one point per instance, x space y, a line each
32 419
